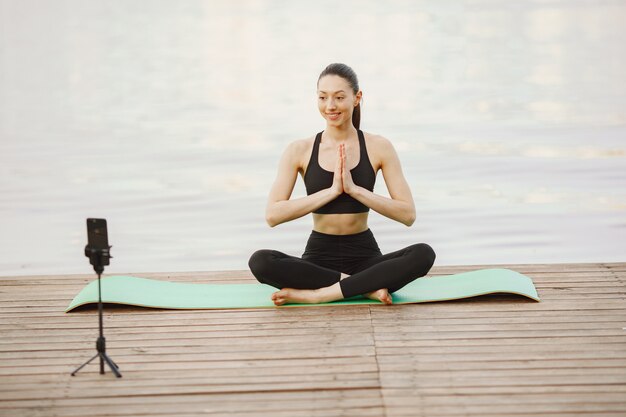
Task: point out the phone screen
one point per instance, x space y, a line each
97 233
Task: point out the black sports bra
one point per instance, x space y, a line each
317 178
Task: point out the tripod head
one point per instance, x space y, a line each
98 257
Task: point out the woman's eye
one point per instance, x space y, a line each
339 98
322 98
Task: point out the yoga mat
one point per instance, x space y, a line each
145 292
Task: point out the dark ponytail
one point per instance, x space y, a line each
348 74
356 116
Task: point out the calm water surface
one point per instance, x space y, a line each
168 119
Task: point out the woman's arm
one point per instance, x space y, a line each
280 208
400 206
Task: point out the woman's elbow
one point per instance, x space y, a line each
271 220
274 217
410 218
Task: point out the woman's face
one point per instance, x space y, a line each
335 100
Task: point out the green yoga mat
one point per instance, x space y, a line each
176 295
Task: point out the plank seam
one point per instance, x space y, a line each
380 385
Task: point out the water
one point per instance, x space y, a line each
168 119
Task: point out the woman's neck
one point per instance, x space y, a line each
340 133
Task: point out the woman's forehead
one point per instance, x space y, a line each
333 84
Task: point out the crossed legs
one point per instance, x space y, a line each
324 295
302 281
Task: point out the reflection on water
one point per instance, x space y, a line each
168 119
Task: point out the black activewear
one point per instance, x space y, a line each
327 256
316 178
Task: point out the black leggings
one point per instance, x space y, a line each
327 256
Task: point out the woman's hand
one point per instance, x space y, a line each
346 177
342 181
337 186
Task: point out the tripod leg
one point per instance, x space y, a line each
114 364
111 364
83 365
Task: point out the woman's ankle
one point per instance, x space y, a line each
329 294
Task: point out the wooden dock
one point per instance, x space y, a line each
494 355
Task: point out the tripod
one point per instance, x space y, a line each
97 256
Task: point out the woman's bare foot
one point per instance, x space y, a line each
292 295
381 295
320 295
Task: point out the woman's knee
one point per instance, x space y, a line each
423 255
260 263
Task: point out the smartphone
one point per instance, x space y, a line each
97 234
98 239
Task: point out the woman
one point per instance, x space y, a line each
339 167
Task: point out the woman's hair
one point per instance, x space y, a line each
348 74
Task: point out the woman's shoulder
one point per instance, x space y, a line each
377 143
298 151
300 145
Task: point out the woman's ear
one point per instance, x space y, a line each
358 97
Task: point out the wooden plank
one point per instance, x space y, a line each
225 384
571 408
146 404
56 345
36 327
